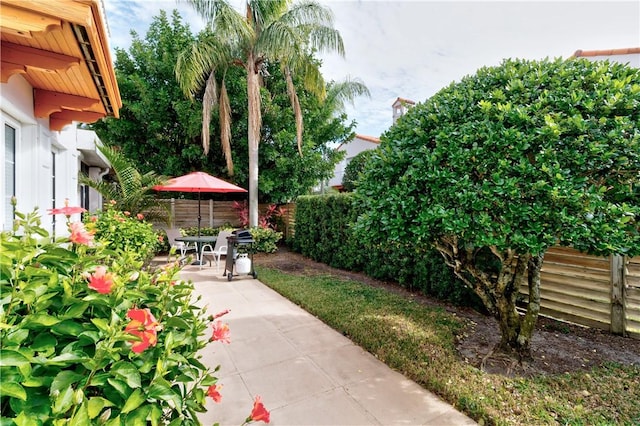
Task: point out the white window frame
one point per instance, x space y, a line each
6 120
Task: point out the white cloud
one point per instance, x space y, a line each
412 49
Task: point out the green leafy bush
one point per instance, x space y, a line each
92 338
163 241
266 239
324 232
120 231
354 169
193 230
495 169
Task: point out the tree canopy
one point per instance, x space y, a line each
160 130
270 31
495 169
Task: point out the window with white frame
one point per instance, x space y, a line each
9 175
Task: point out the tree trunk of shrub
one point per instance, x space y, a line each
499 290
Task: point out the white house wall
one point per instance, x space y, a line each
632 60
35 145
351 148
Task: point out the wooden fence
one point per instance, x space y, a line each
632 296
214 214
289 220
600 292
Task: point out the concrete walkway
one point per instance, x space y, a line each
305 372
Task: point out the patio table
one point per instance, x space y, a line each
199 241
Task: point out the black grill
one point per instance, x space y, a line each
242 236
238 238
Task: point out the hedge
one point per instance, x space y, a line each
324 233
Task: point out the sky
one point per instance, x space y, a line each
412 49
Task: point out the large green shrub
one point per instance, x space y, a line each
323 230
495 169
89 337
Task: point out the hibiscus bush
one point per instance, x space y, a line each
93 338
122 231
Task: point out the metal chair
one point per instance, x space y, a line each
180 246
219 250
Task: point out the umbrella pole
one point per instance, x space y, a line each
199 217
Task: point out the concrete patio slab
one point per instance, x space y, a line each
305 372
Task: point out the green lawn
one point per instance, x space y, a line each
419 342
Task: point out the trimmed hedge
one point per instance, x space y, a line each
324 233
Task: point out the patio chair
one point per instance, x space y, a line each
216 252
179 246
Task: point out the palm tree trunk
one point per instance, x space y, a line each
253 133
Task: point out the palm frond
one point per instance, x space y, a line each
230 25
315 22
197 62
108 190
279 40
209 100
295 104
313 79
261 13
308 12
346 90
225 127
132 191
326 39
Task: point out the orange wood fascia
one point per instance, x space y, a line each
23 22
16 58
81 116
76 11
47 102
59 120
100 45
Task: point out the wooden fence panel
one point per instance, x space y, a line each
632 297
213 213
289 220
575 287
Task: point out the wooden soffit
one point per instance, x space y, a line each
60 47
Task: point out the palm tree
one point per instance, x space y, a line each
132 191
347 90
271 31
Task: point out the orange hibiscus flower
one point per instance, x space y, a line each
144 326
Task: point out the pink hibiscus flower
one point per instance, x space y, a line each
220 332
79 234
101 280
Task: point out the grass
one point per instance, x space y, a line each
419 342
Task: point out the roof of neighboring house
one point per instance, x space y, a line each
371 139
368 138
61 49
403 101
607 52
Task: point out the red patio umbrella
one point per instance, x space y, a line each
198 182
